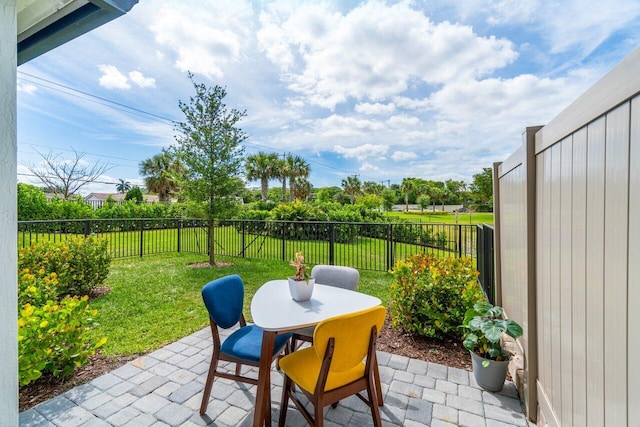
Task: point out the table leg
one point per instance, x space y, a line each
262 414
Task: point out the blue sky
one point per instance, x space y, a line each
379 89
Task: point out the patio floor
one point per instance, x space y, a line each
164 388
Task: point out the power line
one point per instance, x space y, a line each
127 108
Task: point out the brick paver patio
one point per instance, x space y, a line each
164 388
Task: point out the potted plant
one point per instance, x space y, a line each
300 285
483 328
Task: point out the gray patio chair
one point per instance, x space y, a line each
331 275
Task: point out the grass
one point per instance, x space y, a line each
156 300
447 218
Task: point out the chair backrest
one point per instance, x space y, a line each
338 276
351 333
224 299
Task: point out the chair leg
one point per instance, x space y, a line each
318 413
284 403
207 387
375 411
376 379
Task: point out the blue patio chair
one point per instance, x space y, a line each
224 299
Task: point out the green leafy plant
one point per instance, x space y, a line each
81 264
301 267
431 295
53 336
483 328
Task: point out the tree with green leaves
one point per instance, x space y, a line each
162 174
424 201
407 187
301 188
456 190
261 166
134 194
209 144
482 187
282 173
123 186
298 168
370 187
328 194
352 186
389 197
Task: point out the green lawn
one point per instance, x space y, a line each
448 218
156 300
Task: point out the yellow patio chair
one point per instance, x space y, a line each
334 367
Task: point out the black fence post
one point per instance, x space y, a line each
332 243
284 240
390 248
244 231
179 233
87 227
141 238
459 240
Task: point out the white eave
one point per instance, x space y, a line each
46 24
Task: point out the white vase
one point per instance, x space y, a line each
301 290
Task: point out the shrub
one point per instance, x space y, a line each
81 264
431 295
52 335
53 338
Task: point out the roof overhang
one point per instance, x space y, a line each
46 24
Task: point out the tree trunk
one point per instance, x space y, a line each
284 189
264 183
212 241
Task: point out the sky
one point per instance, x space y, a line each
381 90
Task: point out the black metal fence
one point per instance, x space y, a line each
368 246
126 237
485 264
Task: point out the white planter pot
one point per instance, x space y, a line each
491 377
301 290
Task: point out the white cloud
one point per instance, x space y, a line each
27 88
138 78
375 109
362 152
399 156
368 167
112 78
568 25
374 52
203 38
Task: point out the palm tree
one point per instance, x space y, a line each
406 187
297 168
302 188
123 186
282 172
261 166
351 186
162 174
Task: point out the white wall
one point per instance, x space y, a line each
8 218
